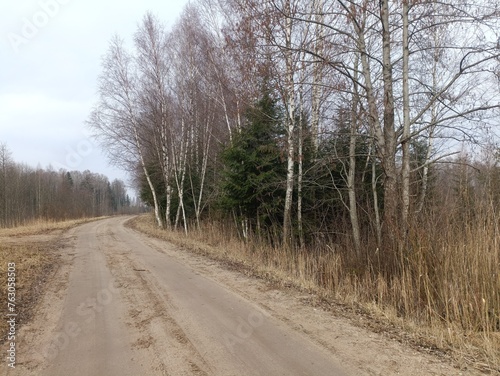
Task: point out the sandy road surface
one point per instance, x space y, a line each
122 307
124 304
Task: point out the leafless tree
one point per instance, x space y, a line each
117 120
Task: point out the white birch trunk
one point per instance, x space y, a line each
148 178
290 105
405 142
434 114
373 121
300 151
378 225
391 198
317 74
208 136
180 175
351 175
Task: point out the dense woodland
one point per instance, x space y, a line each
28 194
366 129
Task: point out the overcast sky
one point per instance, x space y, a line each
50 56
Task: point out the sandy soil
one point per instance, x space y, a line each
121 303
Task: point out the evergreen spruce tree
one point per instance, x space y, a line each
254 174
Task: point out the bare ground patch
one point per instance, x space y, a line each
159 340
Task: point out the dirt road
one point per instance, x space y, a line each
124 304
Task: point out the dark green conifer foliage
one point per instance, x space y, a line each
254 172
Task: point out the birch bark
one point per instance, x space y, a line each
290 121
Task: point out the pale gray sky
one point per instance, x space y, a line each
50 56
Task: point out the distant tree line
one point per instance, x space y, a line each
28 193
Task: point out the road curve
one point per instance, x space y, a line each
122 306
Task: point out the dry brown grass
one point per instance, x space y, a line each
39 227
34 259
445 297
33 263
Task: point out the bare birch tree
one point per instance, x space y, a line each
117 121
153 67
